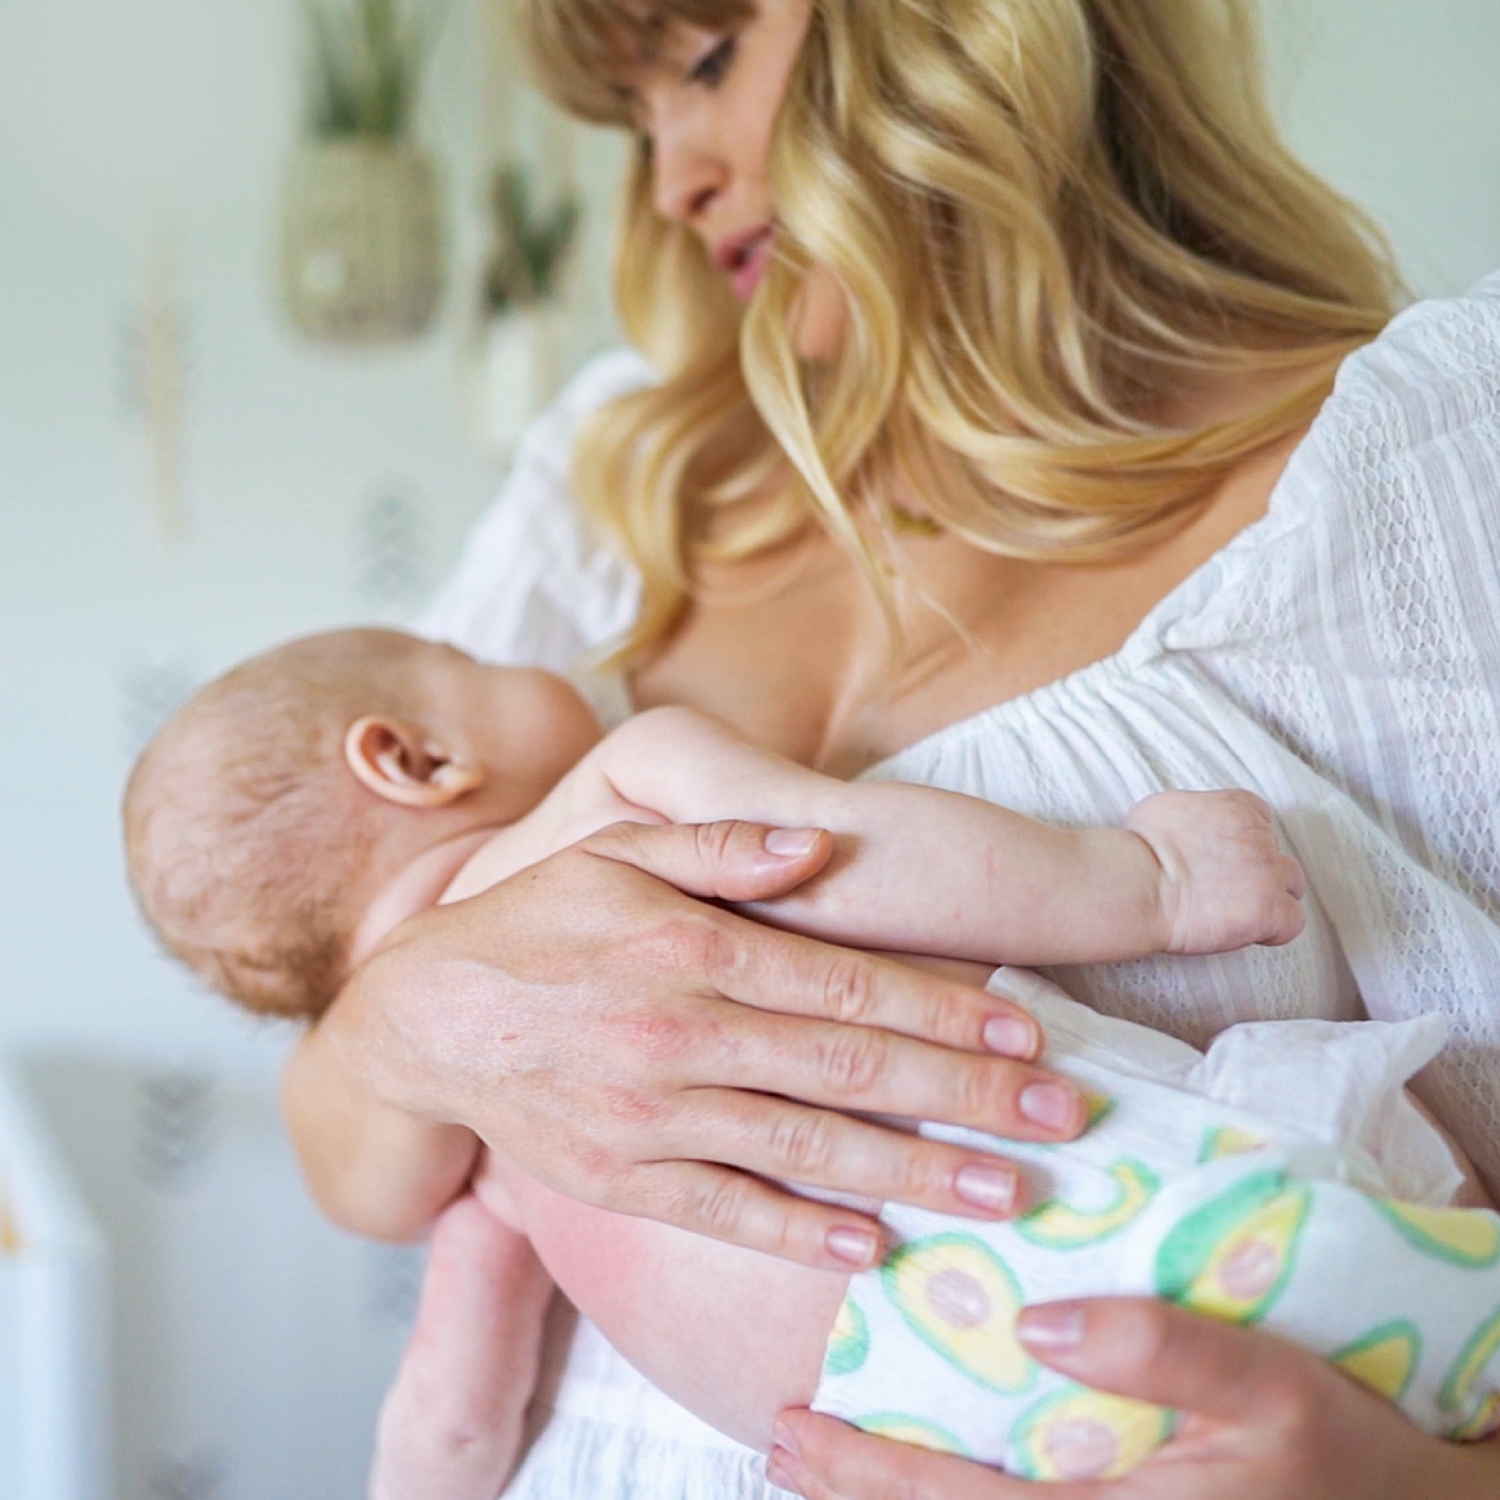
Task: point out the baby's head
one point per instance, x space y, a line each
273 810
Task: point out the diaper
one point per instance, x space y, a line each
1283 1179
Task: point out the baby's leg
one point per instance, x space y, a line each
450 1428
730 1334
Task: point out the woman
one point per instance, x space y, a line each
983 332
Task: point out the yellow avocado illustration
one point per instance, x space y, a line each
903 1429
1465 1236
961 1299
1231 1257
1483 1424
1059 1227
1458 1388
1384 1359
1227 1140
1080 1434
849 1343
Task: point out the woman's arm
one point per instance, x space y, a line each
922 870
1260 1419
654 1054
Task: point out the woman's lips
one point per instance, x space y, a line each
745 260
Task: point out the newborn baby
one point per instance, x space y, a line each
301 808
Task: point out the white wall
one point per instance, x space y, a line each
253 1341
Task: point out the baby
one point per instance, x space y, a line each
301 808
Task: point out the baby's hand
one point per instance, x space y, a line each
1225 882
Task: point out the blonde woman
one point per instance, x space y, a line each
984 437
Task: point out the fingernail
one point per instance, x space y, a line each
990 1188
1051 1326
855 1247
791 843
784 1437
1051 1105
779 1471
1010 1036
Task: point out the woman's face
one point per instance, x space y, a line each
707 102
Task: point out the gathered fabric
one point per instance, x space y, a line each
1341 657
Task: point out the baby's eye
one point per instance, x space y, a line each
710 69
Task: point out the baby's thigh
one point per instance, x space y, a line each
733 1335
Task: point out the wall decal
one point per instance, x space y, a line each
390 551
177 1111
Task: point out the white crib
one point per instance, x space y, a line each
54 1377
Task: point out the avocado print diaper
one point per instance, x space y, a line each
1283 1179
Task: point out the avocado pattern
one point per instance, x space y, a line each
1057 1226
900 1428
1485 1422
1463 1236
961 1299
1385 1359
1077 1434
1227 1140
1231 1258
1458 1388
849 1343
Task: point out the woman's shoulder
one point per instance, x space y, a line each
536 583
1433 372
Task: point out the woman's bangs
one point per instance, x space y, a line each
583 51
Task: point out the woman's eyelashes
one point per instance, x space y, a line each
713 67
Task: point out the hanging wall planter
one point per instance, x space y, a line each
362 240
362 245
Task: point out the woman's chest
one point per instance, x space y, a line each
805 664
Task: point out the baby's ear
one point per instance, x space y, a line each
403 764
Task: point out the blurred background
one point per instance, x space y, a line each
263 352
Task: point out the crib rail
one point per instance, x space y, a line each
54 1381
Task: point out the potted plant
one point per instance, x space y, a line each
521 301
362 234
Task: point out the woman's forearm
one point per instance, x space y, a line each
373 1168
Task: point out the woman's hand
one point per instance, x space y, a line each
1261 1420
657 1055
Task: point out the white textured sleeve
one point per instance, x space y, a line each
534 584
1371 650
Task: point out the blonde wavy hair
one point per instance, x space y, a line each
1044 216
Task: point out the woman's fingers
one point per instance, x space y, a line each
876 1071
824 1460
717 861
728 1205
819 1149
780 971
1140 1347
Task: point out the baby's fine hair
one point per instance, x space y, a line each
248 840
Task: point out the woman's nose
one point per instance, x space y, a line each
686 177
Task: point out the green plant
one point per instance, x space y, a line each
532 247
365 62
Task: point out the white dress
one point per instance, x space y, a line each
1341 657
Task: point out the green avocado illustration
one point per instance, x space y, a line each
1458 1388
849 1343
1056 1226
1385 1359
900 1428
1485 1422
1227 1140
962 1300
1468 1237
1077 1434
1231 1257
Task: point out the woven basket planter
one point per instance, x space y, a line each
362 241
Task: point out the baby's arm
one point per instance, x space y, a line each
928 871
452 1424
